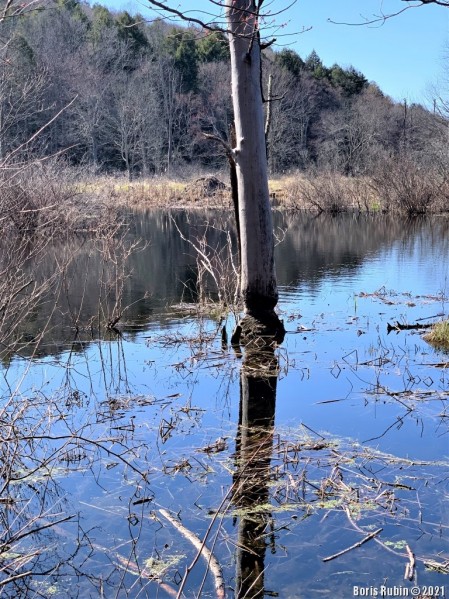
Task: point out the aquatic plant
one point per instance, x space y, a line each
439 335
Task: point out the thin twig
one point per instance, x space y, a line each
358 544
15 577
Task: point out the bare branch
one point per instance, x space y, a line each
13 8
28 141
381 18
221 141
202 551
213 24
184 15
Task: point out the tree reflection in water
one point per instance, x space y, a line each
254 444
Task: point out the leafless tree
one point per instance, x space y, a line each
354 136
21 98
241 20
292 110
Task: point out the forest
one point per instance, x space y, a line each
136 97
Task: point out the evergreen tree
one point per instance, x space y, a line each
291 61
129 30
213 47
313 62
181 45
350 81
102 19
75 8
315 66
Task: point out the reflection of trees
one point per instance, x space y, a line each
258 383
164 272
336 477
50 439
105 277
315 246
32 503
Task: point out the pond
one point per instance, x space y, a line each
319 472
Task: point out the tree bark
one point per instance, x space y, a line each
258 281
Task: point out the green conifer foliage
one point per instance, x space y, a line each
291 61
129 30
212 47
181 45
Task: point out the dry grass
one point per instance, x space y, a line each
144 194
51 199
397 187
325 192
439 335
217 272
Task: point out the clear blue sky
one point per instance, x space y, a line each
405 56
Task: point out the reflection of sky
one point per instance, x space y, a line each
348 329
343 327
338 366
403 275
415 270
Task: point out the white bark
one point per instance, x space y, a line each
258 282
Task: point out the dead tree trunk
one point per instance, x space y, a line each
258 281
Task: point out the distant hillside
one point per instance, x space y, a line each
139 97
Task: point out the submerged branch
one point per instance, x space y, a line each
202 550
354 546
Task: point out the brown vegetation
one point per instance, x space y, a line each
147 193
327 192
41 208
439 335
118 94
397 187
405 187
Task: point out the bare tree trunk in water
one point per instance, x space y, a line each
258 281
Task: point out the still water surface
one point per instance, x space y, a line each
343 434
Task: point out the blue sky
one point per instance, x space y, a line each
405 56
